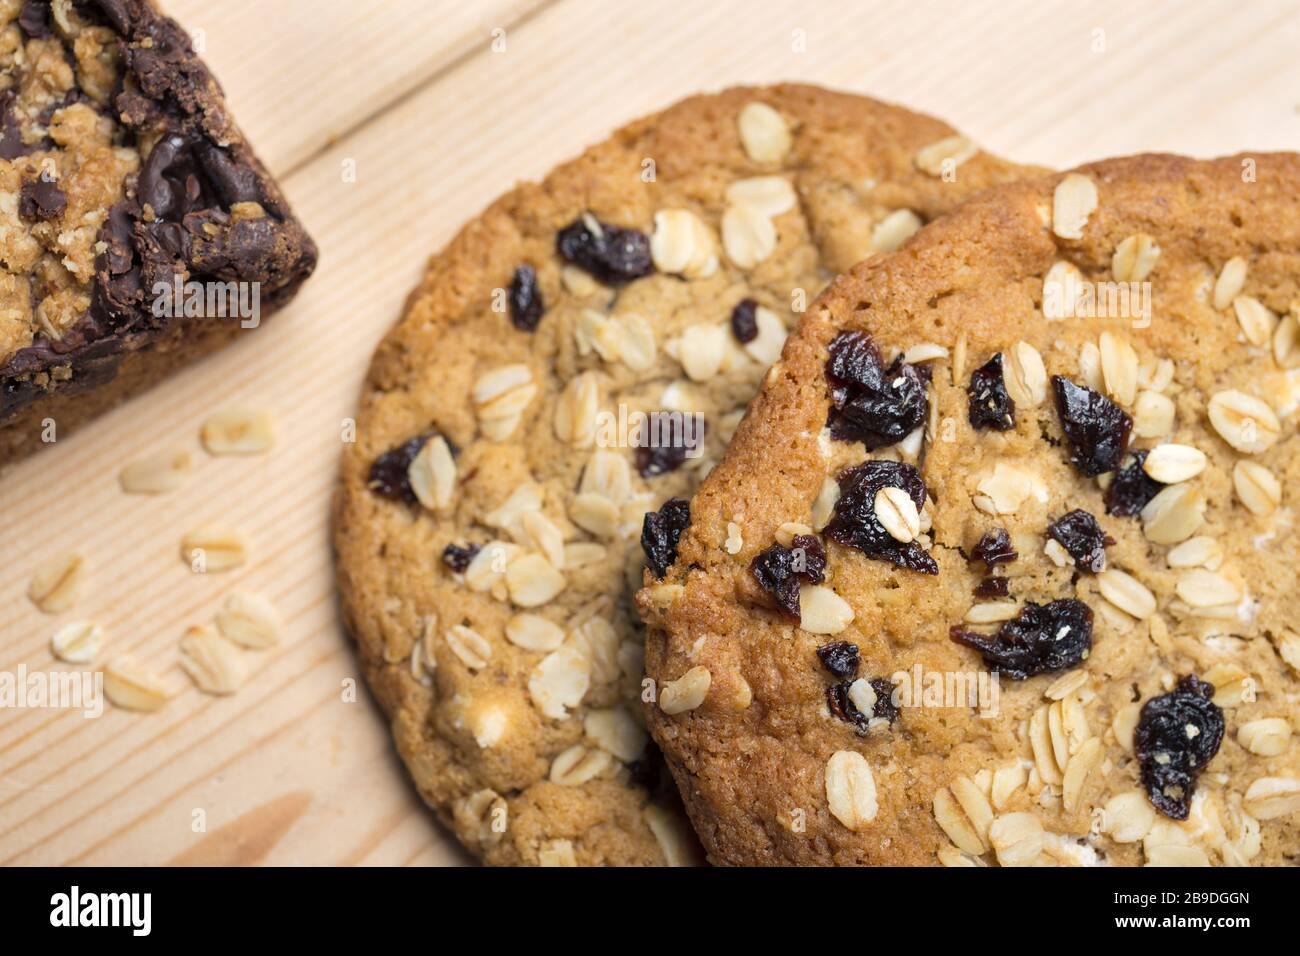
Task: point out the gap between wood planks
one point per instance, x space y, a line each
413 91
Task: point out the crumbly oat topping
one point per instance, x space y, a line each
121 173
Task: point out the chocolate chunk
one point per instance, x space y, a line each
41 199
669 442
992 588
994 548
661 531
34 19
780 571
1176 736
611 254
841 658
457 557
990 404
388 473
526 305
1080 534
744 321
1041 638
872 404
232 182
1096 428
117 15
169 182
1131 488
11 130
854 522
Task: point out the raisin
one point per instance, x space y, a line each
457 557
1131 488
991 588
660 532
1096 428
1080 535
1177 735
648 771
388 473
744 321
526 305
659 459
885 706
990 405
1042 638
872 404
611 254
842 707
994 548
854 522
841 658
780 570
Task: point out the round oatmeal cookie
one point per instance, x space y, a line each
576 357
1001 565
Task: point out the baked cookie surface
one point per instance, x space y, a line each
1053 437
490 509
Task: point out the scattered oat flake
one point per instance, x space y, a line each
240 430
158 473
57 583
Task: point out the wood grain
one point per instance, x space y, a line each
331 66
293 770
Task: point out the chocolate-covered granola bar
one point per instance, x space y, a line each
137 228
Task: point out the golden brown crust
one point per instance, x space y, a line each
754 779
851 162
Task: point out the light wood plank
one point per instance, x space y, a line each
286 771
299 74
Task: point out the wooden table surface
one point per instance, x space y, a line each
437 123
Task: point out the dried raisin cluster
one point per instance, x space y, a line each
780 571
611 254
388 472
661 531
994 548
1081 536
1176 736
526 305
1096 428
1041 638
854 522
654 460
457 557
990 404
870 403
1131 488
841 658
993 588
842 707
744 321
